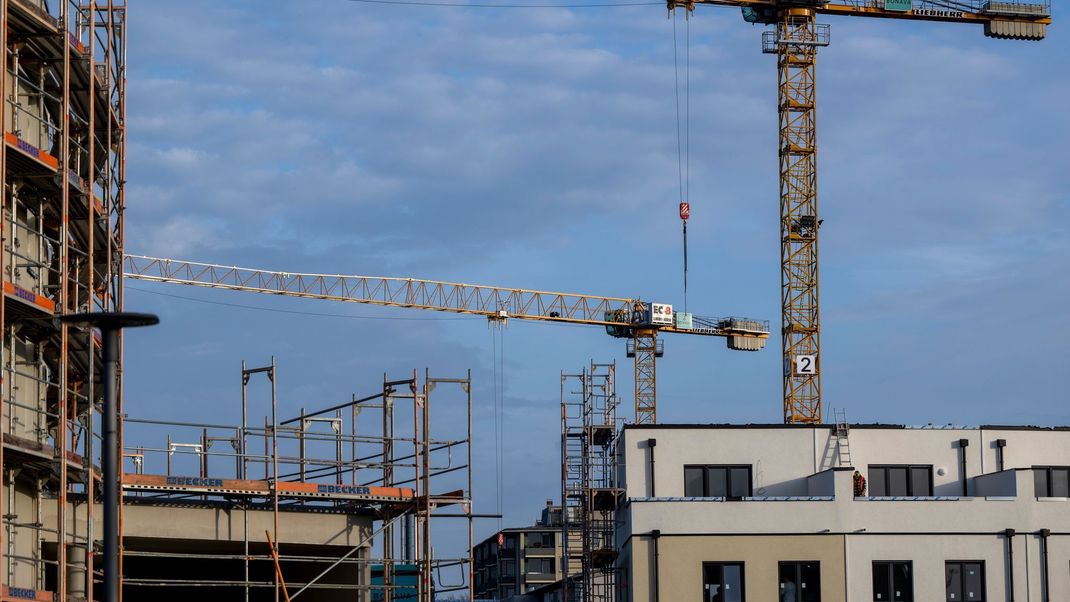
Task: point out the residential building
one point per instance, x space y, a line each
518 560
737 513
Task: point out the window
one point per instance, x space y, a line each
722 582
900 480
539 565
965 581
1051 481
733 482
540 540
893 581
800 582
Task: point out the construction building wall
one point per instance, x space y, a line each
204 545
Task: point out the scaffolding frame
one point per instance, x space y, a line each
62 185
388 462
589 492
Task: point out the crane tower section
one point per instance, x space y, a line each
794 39
795 42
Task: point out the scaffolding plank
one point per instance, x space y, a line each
211 486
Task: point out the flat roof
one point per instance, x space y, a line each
932 427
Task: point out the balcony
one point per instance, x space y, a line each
993 498
537 550
540 578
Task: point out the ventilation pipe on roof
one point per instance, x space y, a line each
651 444
963 444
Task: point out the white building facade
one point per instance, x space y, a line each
774 513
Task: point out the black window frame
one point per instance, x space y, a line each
962 564
909 482
723 564
1049 482
798 566
547 563
728 479
889 567
542 540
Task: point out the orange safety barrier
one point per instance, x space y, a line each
29 296
31 150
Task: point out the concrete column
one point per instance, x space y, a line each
76 573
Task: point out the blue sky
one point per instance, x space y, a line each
536 148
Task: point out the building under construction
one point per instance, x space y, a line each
335 503
63 169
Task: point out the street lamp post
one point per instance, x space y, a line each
110 325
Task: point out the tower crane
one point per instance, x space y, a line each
639 322
794 39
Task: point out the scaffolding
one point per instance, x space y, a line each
62 164
589 491
371 459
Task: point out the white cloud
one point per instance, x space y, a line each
176 237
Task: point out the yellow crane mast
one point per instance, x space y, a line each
794 39
638 321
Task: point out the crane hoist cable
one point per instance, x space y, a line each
685 212
497 338
497 418
687 107
683 135
501 418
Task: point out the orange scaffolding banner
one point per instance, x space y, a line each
197 484
24 593
346 492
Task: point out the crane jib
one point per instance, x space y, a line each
620 316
